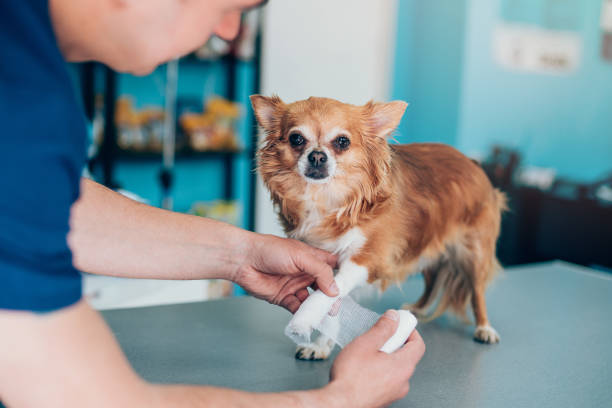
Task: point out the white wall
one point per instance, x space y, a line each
341 49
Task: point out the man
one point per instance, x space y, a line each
55 351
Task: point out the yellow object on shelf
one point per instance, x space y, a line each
213 129
138 130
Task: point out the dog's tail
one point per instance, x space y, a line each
501 200
448 285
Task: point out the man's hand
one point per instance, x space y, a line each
280 270
362 376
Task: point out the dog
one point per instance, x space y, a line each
387 210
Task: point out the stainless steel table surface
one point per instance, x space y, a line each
555 322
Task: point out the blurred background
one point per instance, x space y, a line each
523 86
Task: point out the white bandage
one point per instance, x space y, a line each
344 320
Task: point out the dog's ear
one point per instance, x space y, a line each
383 118
268 111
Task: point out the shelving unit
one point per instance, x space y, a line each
227 158
110 154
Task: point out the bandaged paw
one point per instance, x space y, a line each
309 316
347 321
299 332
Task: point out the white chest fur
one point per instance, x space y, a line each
345 245
312 218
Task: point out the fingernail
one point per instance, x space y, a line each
391 314
333 288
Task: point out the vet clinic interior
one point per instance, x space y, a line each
523 87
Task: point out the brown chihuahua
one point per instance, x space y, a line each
387 210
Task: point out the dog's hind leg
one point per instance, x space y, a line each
484 333
484 266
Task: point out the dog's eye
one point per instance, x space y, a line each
342 142
296 139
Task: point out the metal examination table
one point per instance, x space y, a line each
555 322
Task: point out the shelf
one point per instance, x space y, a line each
227 58
135 155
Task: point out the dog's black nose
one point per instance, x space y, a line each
317 158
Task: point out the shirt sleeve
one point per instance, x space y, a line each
42 152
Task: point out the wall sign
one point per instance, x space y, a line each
534 49
539 36
606 26
606 16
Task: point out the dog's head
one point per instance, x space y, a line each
320 141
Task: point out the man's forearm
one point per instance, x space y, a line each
74 361
181 396
113 235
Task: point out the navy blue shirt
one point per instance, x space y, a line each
42 153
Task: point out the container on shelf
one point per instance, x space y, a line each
213 129
138 130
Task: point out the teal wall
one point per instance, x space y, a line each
459 95
428 68
559 121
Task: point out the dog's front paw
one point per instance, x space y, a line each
300 331
313 352
486 334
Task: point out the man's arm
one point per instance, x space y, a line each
69 358
113 235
